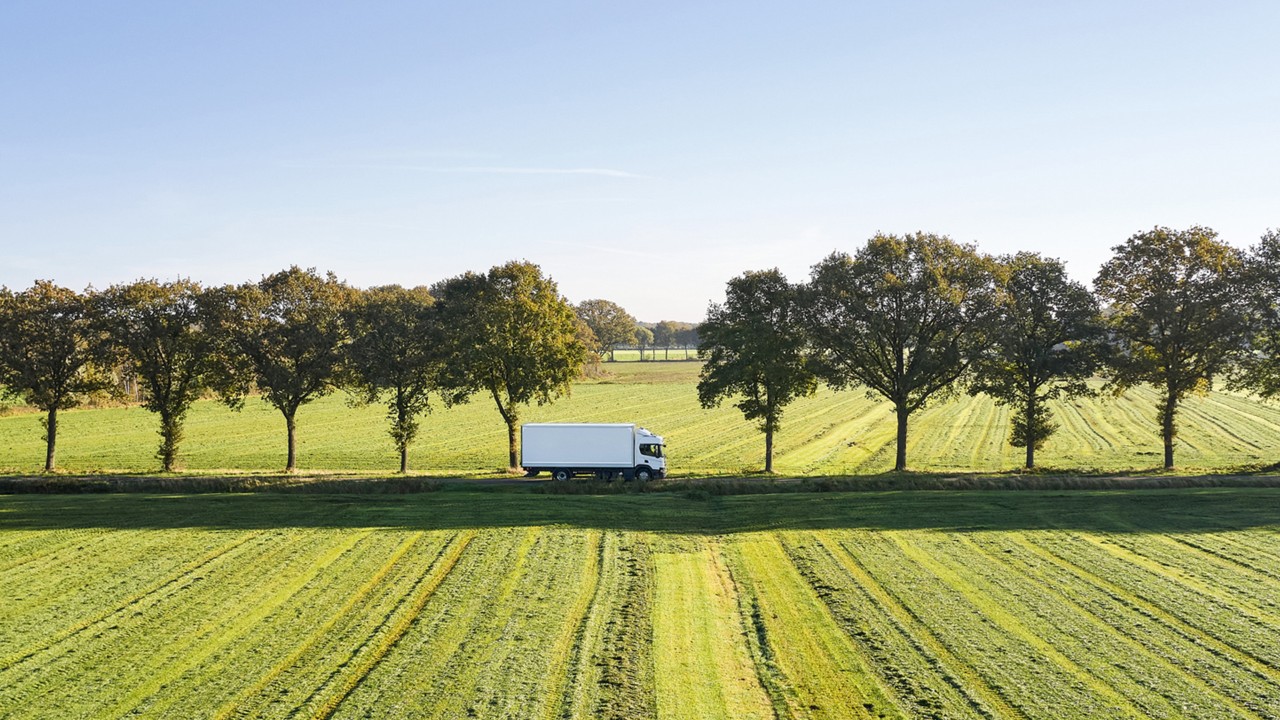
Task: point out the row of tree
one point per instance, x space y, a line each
614 328
915 318
291 338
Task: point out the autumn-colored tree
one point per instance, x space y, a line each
160 333
52 352
611 325
903 318
511 335
1177 313
753 350
1044 344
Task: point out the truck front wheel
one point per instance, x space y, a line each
560 475
644 474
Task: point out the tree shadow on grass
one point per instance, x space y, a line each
1121 511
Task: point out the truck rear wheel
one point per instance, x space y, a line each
560 475
644 474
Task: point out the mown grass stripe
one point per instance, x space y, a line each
234 629
567 651
492 626
231 707
1151 658
439 571
419 668
68 632
706 670
1240 656
1185 579
43 550
824 673
1011 624
963 676
173 622
585 674
1179 545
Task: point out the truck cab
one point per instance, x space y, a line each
650 453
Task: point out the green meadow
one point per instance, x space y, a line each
831 433
511 604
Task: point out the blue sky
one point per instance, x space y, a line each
640 152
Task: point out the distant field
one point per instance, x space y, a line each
515 605
828 434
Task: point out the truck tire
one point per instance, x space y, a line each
644 474
561 475
531 473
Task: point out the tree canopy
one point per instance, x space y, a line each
902 318
52 352
1045 344
611 325
396 356
162 336
511 335
1259 369
284 336
1177 314
753 350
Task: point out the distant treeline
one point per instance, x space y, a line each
911 319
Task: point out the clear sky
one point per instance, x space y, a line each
641 152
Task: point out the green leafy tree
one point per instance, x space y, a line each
753 349
160 332
1177 314
687 337
665 334
903 318
1259 369
644 339
611 325
52 352
396 355
283 336
511 335
1044 345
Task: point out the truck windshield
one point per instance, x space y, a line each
652 450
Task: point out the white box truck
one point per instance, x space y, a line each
604 450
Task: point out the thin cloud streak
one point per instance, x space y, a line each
603 172
484 170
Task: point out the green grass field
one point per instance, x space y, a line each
827 434
508 604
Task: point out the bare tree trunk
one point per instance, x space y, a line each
51 438
1031 438
900 463
401 439
170 432
1168 413
768 448
291 464
513 445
